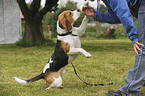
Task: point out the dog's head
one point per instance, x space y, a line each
67 18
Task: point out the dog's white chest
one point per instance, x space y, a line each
73 41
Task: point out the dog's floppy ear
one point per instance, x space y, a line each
65 23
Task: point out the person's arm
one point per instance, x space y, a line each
106 17
102 17
120 7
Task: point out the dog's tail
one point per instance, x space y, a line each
27 82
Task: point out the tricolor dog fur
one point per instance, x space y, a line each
67 49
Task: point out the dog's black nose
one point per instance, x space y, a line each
78 10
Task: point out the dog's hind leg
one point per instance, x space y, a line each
53 79
49 87
63 71
55 82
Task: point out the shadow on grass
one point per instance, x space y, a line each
30 43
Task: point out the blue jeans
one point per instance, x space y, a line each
136 76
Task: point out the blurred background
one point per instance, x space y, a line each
34 21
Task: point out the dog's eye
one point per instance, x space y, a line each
70 13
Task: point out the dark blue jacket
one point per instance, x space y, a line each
119 12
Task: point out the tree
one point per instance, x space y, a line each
33 16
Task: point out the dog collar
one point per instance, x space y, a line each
67 33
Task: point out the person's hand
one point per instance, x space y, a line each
89 11
135 46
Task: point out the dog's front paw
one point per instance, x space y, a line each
88 55
48 88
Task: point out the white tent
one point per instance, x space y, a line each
10 22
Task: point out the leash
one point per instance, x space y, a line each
86 82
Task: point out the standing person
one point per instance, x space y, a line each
120 12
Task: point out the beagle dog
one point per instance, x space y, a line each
67 49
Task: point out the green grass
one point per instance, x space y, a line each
110 62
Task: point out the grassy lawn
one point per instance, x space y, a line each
110 62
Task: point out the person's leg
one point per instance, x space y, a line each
136 75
